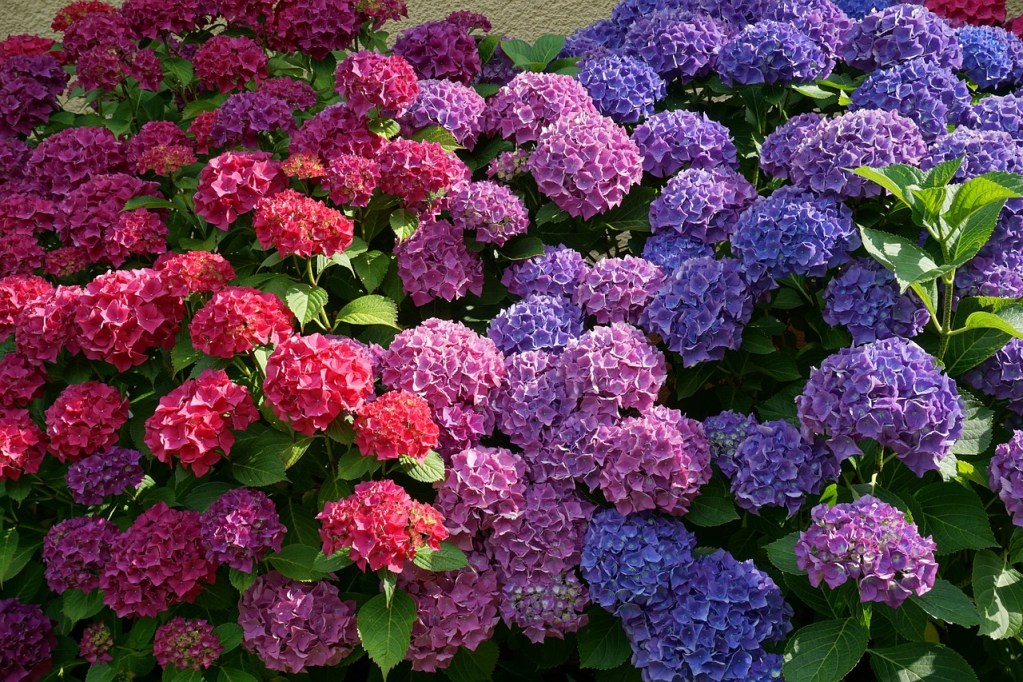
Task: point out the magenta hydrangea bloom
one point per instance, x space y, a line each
866 300
781 143
442 49
233 183
67 159
75 550
27 641
351 180
900 33
244 115
29 87
84 419
533 101
657 461
771 52
1001 375
871 542
336 130
186 644
154 18
1006 476
240 528
314 27
226 63
618 289
418 173
435 263
702 204
483 485
544 605
537 322
298 94
672 140
454 107
489 209
368 80
678 44
531 405
891 391
555 273
585 164
96 644
291 626
102 474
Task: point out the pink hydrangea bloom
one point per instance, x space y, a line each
338 129
186 644
418 172
395 424
233 183
225 63
18 293
369 79
85 418
22 379
533 101
21 444
435 263
46 327
301 226
350 180
194 271
237 319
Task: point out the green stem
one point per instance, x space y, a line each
946 313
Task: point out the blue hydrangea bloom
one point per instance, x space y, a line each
555 273
857 9
987 60
629 560
920 90
669 249
779 146
603 34
702 204
1002 113
677 44
623 88
899 33
1001 375
794 233
983 151
775 467
824 22
536 322
997 270
672 140
866 301
772 52
725 432
701 309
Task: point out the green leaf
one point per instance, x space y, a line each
447 558
825 651
183 355
298 563
353 465
258 468
235 675
546 48
146 201
181 69
713 506
942 174
977 426
14 554
782 553
969 349
487 47
441 136
388 582
947 602
332 563
404 223
974 233
632 215
103 672
387 631
522 248
230 635
895 178
602 643
474 666
998 592
777 366
550 213
519 51
371 309
908 261
371 267
305 301
1008 320
973 195
429 470
955 516
77 605
385 127
240 580
260 438
920 661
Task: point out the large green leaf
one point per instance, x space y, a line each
428 470
942 174
371 268
918 661
906 260
782 553
258 468
894 178
78 605
474 666
439 135
998 591
448 558
371 309
713 506
977 426
969 349
632 215
547 48
234 675
15 553
305 301
824 652
1008 320
261 438
298 562
602 642
947 602
955 516
386 631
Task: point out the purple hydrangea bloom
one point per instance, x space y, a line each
530 406
499 69
531 102
871 542
440 50
240 528
618 289
629 559
92 478
571 452
490 210
775 467
623 88
672 140
544 605
822 21
585 164
29 86
555 273
725 433
997 269
677 44
701 310
509 165
772 52
900 33
75 550
719 615
244 115
794 233
69 158
186 644
984 151
1006 476
857 9
1000 112
657 461
27 641
537 322
891 391
987 60
668 249
702 204
866 301
435 263
1001 375
920 90
455 107
867 137
780 145
483 485
601 34
298 94
291 625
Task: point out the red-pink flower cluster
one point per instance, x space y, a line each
369 79
124 314
351 180
194 271
338 129
226 63
22 380
311 379
22 218
301 226
85 418
21 444
69 14
419 172
195 423
44 328
17 293
233 183
313 27
237 319
304 166
161 147
395 424
382 525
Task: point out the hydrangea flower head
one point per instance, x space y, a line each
337 129
899 33
702 204
1000 375
350 179
435 263
233 183
618 289
555 273
396 424
301 226
455 107
623 88
84 419
490 210
771 52
668 249
194 271
676 43
22 444
186 644
866 301
418 172
442 49
104 473
237 319
1000 112
67 159
1006 476
244 115
978 12
29 86
725 433
531 102
483 485
27 641
987 60
96 643
672 140
75 550
537 322
368 80
225 63
312 27
544 605
240 527
982 151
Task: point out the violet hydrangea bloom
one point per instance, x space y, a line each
27 641
1001 375
987 60
618 289
669 249
997 269
102 474
672 140
725 433
920 90
435 263
900 33
1006 476
489 209
240 528
702 204
780 145
537 322
29 86
555 273
891 391
442 49
521 110
67 159
866 300
1000 112
771 52
871 542
585 164
676 43
75 550
867 137
623 88
544 605
455 107
701 310
824 22
530 406
982 151
483 485
857 9
291 626
601 35
657 461
244 115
